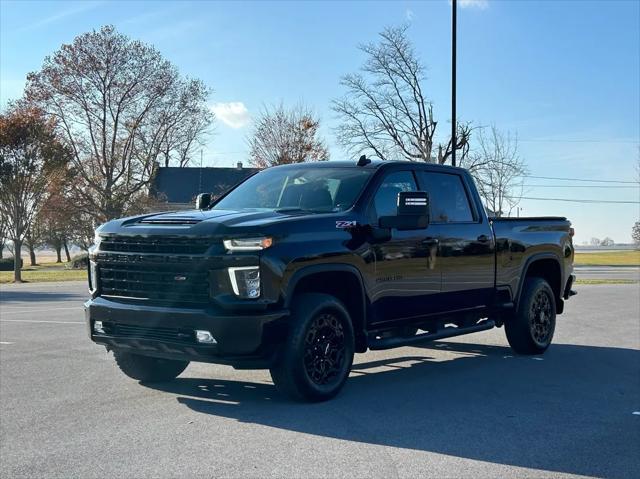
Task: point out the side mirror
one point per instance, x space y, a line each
203 200
413 212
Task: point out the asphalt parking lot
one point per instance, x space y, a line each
455 408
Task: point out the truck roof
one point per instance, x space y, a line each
374 164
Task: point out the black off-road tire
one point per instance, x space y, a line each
530 329
315 360
148 369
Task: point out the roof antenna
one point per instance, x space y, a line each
363 161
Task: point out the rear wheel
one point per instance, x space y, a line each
148 369
316 358
530 330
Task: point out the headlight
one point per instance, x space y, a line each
96 242
248 244
245 281
93 276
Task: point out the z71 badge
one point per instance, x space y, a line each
346 224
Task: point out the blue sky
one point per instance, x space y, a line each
563 75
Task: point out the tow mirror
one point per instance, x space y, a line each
413 212
203 200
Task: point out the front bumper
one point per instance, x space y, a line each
244 340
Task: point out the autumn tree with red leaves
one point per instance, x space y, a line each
31 157
122 109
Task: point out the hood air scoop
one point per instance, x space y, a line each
170 220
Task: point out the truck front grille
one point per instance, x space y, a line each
155 244
163 278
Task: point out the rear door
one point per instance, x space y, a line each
466 247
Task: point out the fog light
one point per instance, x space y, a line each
205 337
245 281
97 327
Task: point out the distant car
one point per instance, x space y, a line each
300 266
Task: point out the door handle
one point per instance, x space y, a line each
483 238
430 241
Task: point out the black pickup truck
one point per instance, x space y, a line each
301 266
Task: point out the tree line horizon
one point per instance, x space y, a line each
104 111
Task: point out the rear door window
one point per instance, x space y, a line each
448 199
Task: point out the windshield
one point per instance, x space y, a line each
317 190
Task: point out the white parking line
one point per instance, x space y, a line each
36 321
5 342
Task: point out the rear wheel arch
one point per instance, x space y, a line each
342 281
546 266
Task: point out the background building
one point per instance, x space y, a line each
178 187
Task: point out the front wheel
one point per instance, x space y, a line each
148 369
316 358
530 330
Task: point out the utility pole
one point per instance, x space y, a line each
453 80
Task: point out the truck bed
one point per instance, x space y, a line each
520 240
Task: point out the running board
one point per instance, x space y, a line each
505 306
388 343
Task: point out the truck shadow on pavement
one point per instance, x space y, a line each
567 411
10 296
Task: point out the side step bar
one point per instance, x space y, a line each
388 343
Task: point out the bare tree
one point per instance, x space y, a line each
122 109
57 215
83 231
282 136
607 241
185 123
30 157
34 238
497 169
385 109
3 233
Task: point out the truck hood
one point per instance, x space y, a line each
201 222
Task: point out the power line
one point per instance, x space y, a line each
580 179
582 186
576 200
542 140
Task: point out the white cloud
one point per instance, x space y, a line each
233 114
409 15
479 4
